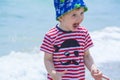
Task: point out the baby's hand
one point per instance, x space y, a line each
97 75
57 75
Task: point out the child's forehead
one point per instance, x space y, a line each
76 10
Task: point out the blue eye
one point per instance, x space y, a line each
82 13
74 15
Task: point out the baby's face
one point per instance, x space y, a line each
71 20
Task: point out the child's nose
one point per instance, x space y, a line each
79 18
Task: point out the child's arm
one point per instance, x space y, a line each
97 75
89 62
48 61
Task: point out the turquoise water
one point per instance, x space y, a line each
23 24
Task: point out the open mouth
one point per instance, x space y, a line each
75 25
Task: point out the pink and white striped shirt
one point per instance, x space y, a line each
68 50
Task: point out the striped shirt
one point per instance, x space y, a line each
68 50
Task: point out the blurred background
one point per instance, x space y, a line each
23 24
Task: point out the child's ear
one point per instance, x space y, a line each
60 18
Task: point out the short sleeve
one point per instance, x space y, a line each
87 41
47 45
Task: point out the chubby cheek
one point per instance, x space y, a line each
69 22
82 18
80 21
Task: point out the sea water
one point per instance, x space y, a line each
23 24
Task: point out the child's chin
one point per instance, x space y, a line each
74 28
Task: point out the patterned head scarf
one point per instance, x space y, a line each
64 6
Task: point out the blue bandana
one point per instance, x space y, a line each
65 6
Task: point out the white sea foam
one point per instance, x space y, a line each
22 66
107 44
29 65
